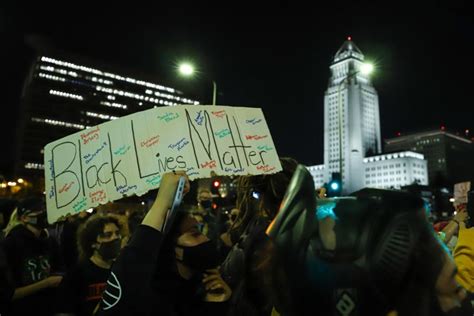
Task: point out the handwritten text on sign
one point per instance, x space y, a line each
129 155
460 192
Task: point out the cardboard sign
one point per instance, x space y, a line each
129 155
460 192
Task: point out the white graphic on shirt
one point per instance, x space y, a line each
111 299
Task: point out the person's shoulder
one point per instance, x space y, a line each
18 232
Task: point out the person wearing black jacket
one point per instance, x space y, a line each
166 275
34 264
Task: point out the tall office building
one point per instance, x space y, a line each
351 108
450 157
352 132
62 96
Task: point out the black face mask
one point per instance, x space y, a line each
40 221
109 250
206 204
202 257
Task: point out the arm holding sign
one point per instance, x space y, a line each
453 226
128 289
164 200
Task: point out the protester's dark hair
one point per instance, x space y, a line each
247 266
89 231
270 188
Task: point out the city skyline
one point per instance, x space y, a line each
277 62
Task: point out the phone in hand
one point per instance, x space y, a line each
171 213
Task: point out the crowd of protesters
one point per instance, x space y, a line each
211 262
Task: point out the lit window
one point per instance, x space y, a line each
66 95
101 116
33 165
58 123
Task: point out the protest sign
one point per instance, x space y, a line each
129 155
460 192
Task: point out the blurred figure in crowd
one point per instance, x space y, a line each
34 263
209 215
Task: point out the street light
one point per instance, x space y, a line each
187 70
365 69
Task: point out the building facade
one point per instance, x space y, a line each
319 175
393 171
62 96
352 133
450 157
351 108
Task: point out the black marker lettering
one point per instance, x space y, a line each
168 161
253 154
95 174
181 162
80 164
231 162
261 156
98 174
206 147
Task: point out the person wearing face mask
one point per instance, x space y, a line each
166 274
210 217
33 261
99 244
186 272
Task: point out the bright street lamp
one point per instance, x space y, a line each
364 69
187 70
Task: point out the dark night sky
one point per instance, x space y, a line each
276 58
